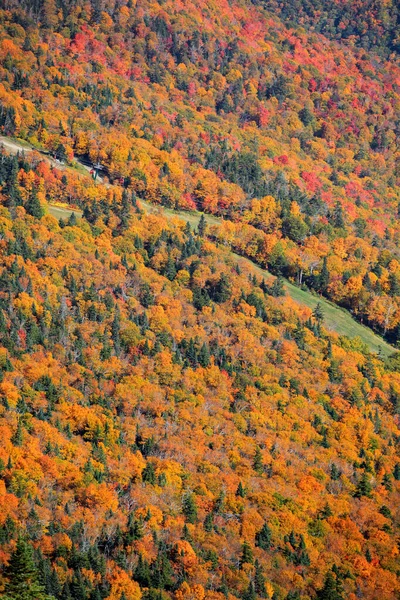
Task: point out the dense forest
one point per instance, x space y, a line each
173 425
371 24
292 137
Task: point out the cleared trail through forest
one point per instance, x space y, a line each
336 319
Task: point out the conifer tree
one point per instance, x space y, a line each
259 580
364 487
22 575
240 491
201 228
323 277
263 537
189 508
247 554
258 461
332 589
318 314
33 206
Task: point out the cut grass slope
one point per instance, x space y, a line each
337 319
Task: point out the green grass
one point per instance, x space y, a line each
193 217
336 319
59 212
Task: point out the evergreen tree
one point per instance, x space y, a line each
326 512
221 291
259 580
250 592
337 216
335 472
162 574
189 508
318 314
264 537
323 277
332 589
208 522
115 332
149 474
201 228
240 490
77 586
146 296
278 287
17 437
142 572
72 221
170 268
21 574
247 554
33 206
258 465
204 356
364 487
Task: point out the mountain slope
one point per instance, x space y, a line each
288 134
335 319
174 426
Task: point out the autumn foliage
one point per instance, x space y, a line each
173 427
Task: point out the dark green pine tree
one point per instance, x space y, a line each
22 581
209 522
33 206
241 492
222 291
278 287
72 221
142 572
149 474
78 590
201 228
258 465
318 314
247 554
259 580
204 356
264 537
66 592
115 332
250 592
332 589
323 277
189 508
17 437
170 268
162 574
338 218
364 487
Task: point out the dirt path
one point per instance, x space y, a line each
14 146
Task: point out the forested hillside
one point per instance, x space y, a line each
371 24
173 426
291 136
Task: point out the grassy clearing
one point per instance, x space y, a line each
193 217
61 212
337 319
